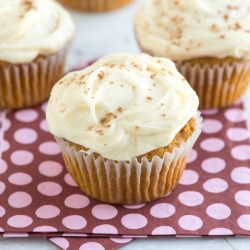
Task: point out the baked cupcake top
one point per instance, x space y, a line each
32 27
185 29
122 106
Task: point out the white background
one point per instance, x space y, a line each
98 35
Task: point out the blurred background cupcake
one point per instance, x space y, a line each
34 39
208 40
126 126
95 5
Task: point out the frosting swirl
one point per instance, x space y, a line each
122 106
32 27
185 29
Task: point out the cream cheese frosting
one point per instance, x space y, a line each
32 27
122 106
185 29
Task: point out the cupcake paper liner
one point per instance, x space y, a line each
127 182
218 85
25 85
95 5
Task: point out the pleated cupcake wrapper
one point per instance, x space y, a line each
25 85
96 5
217 85
129 182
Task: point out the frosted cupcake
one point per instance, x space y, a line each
34 38
125 125
95 5
209 41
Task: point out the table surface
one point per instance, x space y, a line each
97 35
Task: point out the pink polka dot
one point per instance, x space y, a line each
243 198
19 199
2 211
212 145
21 157
163 230
191 198
220 231
45 229
5 146
104 212
74 222
49 148
121 240
241 175
44 106
61 242
3 166
134 221
1 229
134 206
213 165
69 180
47 212
50 168
6 124
190 222
192 156
238 134
49 188
211 126
91 246
241 152
189 177
215 185
19 221
162 210
25 136
235 115
27 115
77 201
105 229
44 126
244 221
20 179
2 187
218 211
210 112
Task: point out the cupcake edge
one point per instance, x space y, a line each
217 82
28 84
95 5
128 182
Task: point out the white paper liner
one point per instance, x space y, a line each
25 85
128 182
217 85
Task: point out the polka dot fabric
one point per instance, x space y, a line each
38 196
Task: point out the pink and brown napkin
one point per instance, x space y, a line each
38 196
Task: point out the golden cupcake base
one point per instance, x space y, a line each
95 5
217 82
26 85
142 179
129 187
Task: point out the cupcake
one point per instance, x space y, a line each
208 40
125 126
95 5
34 38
